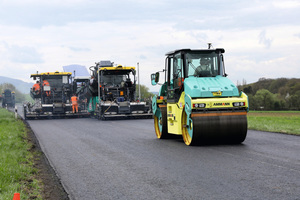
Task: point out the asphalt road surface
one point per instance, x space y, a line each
124 160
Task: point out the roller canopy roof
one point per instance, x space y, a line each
221 50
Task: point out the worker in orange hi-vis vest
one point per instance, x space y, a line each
36 87
45 82
74 101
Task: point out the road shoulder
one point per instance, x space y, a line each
52 187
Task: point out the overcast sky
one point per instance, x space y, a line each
260 38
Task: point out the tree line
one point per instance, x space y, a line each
145 94
273 94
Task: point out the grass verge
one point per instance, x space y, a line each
17 170
275 121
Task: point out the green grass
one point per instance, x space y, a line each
16 161
275 121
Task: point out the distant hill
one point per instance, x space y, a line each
273 94
282 86
23 87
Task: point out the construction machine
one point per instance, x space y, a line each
8 99
113 93
52 96
197 100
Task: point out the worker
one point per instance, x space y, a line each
36 87
46 83
204 66
74 101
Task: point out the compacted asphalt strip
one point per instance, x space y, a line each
122 159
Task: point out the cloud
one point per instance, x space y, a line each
237 15
192 14
297 35
143 57
79 49
286 4
264 40
38 14
45 35
23 54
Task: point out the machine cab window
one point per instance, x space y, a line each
203 65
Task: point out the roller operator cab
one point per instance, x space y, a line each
197 100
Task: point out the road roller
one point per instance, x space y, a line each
197 100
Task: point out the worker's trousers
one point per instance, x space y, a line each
75 107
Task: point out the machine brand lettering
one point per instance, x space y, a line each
221 104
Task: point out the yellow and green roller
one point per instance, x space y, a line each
198 101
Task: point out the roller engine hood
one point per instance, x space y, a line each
219 86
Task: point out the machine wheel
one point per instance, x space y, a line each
187 129
160 124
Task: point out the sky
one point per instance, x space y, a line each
261 38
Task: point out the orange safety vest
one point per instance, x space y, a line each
74 100
36 87
45 82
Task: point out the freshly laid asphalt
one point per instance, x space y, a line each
123 160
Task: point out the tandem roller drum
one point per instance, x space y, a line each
215 128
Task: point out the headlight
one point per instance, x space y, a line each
199 105
237 104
